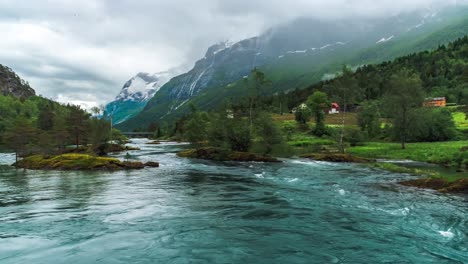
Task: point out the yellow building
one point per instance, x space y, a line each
435 102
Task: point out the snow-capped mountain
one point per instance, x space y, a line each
135 93
143 86
293 56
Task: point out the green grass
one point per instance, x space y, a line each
425 172
399 169
460 120
300 140
433 152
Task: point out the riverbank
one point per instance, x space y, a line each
78 162
440 184
441 153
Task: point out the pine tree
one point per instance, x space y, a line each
78 125
21 136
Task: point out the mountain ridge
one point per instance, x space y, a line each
289 64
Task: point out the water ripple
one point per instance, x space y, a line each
191 211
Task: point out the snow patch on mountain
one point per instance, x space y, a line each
382 40
219 47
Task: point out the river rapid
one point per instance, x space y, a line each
192 211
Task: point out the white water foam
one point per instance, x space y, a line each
447 234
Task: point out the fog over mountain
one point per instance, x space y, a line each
83 51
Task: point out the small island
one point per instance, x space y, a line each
74 161
336 157
221 154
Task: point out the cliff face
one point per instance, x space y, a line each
12 84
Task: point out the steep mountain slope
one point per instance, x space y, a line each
296 55
12 84
134 95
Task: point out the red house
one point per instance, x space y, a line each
335 109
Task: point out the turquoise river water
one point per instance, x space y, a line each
191 211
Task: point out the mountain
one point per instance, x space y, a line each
297 54
12 84
134 95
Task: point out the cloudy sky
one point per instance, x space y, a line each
83 51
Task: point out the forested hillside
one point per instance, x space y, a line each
443 72
32 124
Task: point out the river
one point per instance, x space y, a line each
191 211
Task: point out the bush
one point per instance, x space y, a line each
302 115
431 125
354 137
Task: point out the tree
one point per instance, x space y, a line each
216 130
195 130
96 111
77 124
369 119
347 91
268 132
153 127
45 119
238 134
431 125
254 83
20 136
60 132
405 94
318 103
99 135
302 114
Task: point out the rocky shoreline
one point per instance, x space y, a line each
438 184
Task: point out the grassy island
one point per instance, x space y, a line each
336 157
79 162
221 154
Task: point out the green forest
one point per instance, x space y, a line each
36 125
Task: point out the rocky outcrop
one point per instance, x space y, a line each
12 84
